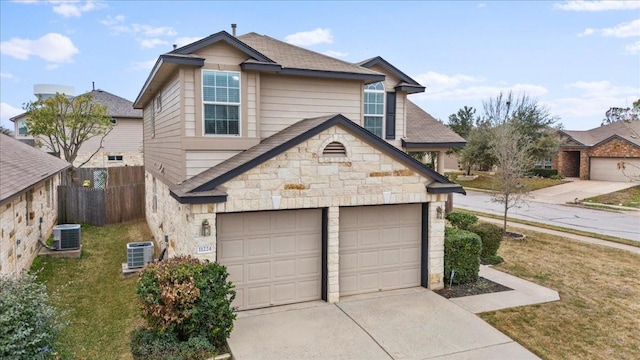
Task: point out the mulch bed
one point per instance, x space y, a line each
482 286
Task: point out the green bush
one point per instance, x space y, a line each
147 344
557 177
492 260
188 298
491 236
460 220
29 324
462 254
545 173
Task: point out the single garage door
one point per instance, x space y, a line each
606 169
273 257
379 248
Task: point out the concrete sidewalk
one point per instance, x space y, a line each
577 189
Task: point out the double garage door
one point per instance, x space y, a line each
276 257
606 169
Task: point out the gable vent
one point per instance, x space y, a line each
335 149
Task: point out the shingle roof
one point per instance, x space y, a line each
291 56
629 131
424 130
116 105
22 166
207 183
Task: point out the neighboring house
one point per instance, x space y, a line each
28 202
121 147
290 168
595 154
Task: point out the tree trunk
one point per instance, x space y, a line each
506 208
468 170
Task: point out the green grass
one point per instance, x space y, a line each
102 307
485 181
628 197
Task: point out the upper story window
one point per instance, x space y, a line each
22 128
221 101
374 107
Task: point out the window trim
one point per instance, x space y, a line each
153 118
115 157
384 108
203 102
24 122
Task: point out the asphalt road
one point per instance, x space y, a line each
613 223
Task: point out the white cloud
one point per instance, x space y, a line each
74 8
7 112
581 5
185 40
113 21
52 47
436 82
633 48
4 75
335 54
151 43
308 38
623 30
594 98
143 65
148 30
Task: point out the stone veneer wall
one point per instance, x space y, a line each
303 178
101 159
20 230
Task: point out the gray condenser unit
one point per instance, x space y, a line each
139 254
66 236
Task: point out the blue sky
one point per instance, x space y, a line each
579 58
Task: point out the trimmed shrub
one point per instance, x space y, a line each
492 260
28 322
557 177
147 344
460 220
188 298
491 236
462 254
545 173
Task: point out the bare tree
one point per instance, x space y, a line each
512 159
6 131
631 118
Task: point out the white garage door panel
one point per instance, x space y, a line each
606 169
273 257
379 248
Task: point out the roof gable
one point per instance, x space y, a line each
406 83
227 38
627 130
424 131
22 166
209 181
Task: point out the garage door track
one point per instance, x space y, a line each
408 324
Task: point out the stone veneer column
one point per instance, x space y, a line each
333 256
435 229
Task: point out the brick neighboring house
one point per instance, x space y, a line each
290 168
594 154
121 147
28 202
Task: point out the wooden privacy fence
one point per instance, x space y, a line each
114 195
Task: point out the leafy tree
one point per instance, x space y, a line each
62 125
478 149
463 121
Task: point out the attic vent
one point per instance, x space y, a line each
335 149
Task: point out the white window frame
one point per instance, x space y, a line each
115 158
545 163
153 118
204 103
22 122
364 107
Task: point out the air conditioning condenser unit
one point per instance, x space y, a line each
139 254
66 237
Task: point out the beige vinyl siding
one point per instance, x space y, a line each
126 136
163 155
285 100
190 102
221 53
199 161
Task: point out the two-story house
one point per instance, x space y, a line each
291 169
121 147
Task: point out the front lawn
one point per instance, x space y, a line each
598 315
103 308
486 181
628 197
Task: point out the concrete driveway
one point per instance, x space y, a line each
577 189
407 324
